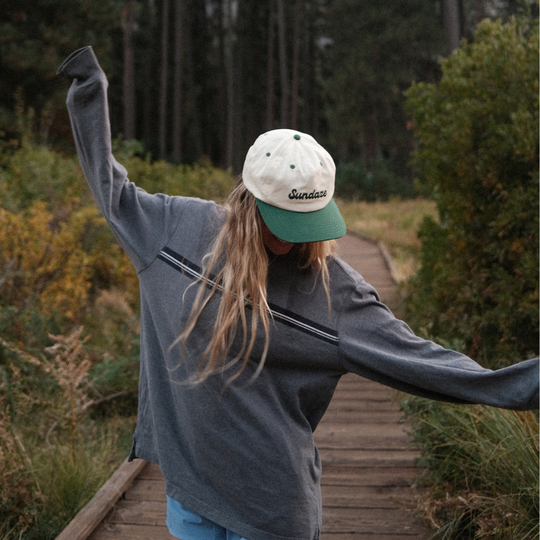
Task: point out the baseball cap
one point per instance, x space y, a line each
292 178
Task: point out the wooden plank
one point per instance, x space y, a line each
139 512
370 521
404 535
381 443
361 440
353 416
369 476
151 471
369 458
347 431
367 497
352 381
356 381
82 525
357 404
149 490
375 392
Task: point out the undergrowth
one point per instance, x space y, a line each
477 155
482 469
53 454
69 332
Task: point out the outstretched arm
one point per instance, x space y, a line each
376 345
141 222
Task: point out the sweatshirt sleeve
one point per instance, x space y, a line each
141 222
376 345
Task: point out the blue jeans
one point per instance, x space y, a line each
187 525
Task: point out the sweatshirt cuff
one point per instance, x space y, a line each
80 64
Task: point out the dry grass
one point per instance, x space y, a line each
481 468
395 223
53 454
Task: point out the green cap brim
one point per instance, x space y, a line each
299 227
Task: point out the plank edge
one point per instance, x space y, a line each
89 517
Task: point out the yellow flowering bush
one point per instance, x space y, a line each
53 267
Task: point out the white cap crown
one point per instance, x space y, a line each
290 170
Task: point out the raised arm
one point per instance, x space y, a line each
141 222
374 344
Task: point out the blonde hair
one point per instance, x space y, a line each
241 282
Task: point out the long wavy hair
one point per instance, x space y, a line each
241 282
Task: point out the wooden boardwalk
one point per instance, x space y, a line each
368 459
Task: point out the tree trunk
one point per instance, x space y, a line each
206 106
228 24
371 138
298 17
164 79
128 23
309 111
193 97
270 67
178 69
250 105
285 93
148 97
451 21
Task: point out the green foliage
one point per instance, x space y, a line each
34 172
345 66
354 181
483 468
57 254
68 398
42 486
53 268
117 372
377 51
36 36
199 180
478 155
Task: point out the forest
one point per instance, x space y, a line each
420 102
201 79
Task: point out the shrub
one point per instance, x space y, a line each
199 180
51 270
354 181
482 464
53 455
35 172
478 155
66 421
43 486
56 252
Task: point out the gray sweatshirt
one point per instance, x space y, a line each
244 456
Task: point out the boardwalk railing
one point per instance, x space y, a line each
88 519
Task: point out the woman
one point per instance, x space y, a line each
247 323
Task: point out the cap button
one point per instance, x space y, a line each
297 137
